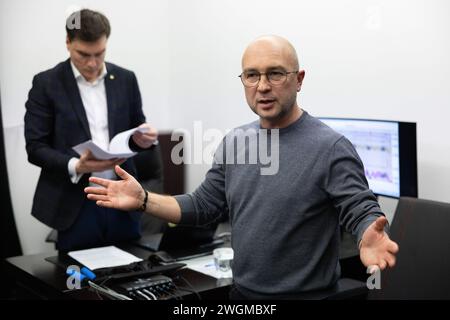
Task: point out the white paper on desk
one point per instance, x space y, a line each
104 257
118 146
206 266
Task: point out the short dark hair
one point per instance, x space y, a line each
87 25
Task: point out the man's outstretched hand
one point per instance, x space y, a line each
126 194
376 249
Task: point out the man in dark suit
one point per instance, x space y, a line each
80 99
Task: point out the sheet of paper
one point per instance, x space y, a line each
119 144
104 257
206 266
118 147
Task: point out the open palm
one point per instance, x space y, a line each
376 248
126 194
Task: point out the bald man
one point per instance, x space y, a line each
285 224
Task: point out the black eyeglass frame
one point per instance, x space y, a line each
267 74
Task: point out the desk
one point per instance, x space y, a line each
36 278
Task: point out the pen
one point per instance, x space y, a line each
193 256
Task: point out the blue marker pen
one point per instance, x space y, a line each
72 272
88 273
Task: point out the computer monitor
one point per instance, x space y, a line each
388 150
181 241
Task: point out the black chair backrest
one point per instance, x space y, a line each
422 230
149 164
156 166
174 174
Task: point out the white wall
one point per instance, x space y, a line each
368 58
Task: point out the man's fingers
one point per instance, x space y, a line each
100 181
119 162
106 204
151 133
382 264
373 268
95 190
88 155
94 165
390 259
147 138
140 139
393 247
122 173
380 223
112 162
96 197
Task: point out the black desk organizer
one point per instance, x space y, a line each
127 279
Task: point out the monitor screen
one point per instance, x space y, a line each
387 150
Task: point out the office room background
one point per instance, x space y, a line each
370 59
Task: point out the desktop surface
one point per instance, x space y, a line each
37 278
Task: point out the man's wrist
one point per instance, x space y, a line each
73 172
144 200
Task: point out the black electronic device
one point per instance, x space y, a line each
141 269
181 241
139 281
161 256
158 287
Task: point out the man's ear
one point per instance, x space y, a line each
67 42
300 77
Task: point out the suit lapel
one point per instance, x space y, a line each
111 89
73 93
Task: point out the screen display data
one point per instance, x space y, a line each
377 144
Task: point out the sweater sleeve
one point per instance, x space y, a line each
349 191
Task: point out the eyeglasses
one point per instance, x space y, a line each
275 77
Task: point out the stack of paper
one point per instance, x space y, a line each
206 266
118 147
104 257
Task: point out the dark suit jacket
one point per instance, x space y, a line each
55 121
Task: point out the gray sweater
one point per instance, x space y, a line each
285 226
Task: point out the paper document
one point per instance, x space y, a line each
206 266
118 147
104 257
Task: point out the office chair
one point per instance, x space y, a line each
345 289
150 172
421 229
157 173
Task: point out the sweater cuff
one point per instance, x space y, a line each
188 212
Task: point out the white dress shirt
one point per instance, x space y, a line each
93 96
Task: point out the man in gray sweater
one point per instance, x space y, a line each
285 220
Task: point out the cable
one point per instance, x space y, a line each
150 293
142 295
172 294
190 286
108 292
176 289
104 281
